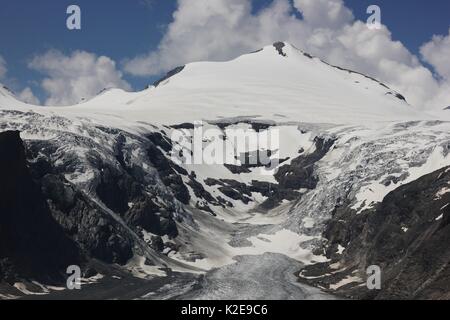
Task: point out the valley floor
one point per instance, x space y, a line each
266 277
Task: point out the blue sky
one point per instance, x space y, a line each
123 29
118 29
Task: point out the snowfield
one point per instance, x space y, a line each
264 85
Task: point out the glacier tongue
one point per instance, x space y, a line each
365 165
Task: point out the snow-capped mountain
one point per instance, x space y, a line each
273 83
347 145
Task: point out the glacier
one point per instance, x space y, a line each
359 139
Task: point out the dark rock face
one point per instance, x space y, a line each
168 171
401 97
144 214
291 177
240 191
121 185
32 243
198 189
187 126
300 173
297 175
96 233
234 169
251 160
407 235
279 47
169 75
123 189
115 188
232 189
152 218
256 125
397 95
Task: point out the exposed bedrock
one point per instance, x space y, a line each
32 243
407 235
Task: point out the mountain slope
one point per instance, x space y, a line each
106 169
407 235
32 243
278 82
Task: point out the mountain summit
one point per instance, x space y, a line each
278 81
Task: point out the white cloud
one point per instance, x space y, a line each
3 68
26 95
437 53
324 13
224 29
81 75
214 30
